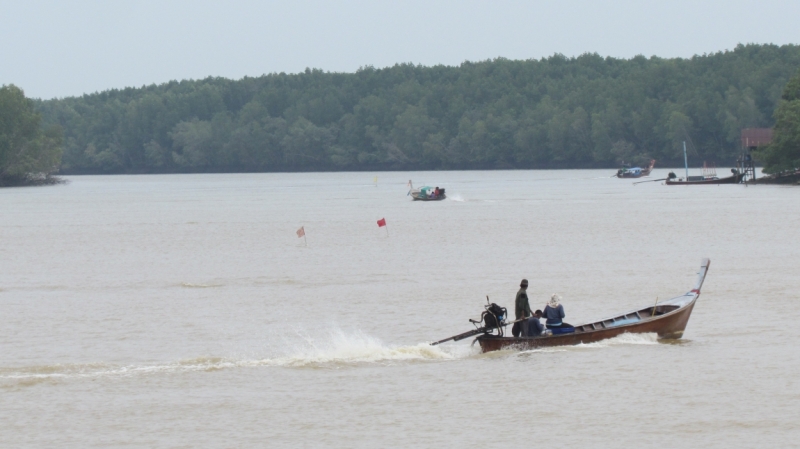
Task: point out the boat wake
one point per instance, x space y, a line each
338 350
458 198
624 339
191 285
620 340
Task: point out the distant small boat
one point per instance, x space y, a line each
709 176
635 172
427 193
673 180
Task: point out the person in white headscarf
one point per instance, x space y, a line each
554 312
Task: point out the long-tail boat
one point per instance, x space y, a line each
709 176
667 319
635 172
426 193
673 180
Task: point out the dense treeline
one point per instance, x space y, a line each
29 153
587 111
784 151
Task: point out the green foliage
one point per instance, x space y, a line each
784 151
27 152
792 90
587 111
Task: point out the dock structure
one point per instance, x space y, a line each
752 138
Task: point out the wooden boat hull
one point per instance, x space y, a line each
735 179
424 198
669 326
668 321
631 175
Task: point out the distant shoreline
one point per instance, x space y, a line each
369 170
554 113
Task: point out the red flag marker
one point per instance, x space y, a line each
382 223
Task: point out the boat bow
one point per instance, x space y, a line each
694 293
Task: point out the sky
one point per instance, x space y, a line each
71 47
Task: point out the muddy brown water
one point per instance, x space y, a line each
183 311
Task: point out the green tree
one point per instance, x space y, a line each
306 145
586 111
194 142
784 151
28 153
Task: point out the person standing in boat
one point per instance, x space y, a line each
554 312
522 309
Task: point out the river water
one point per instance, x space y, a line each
184 311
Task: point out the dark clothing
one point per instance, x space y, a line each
563 324
533 327
553 315
521 307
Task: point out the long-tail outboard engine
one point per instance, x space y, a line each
493 317
493 320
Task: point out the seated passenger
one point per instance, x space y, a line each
554 312
534 327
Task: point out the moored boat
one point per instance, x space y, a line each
709 176
667 319
673 180
635 172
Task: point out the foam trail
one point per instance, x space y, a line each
456 197
619 340
339 349
625 339
190 285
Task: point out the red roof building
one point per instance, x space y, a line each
756 137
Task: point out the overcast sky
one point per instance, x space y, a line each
64 48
